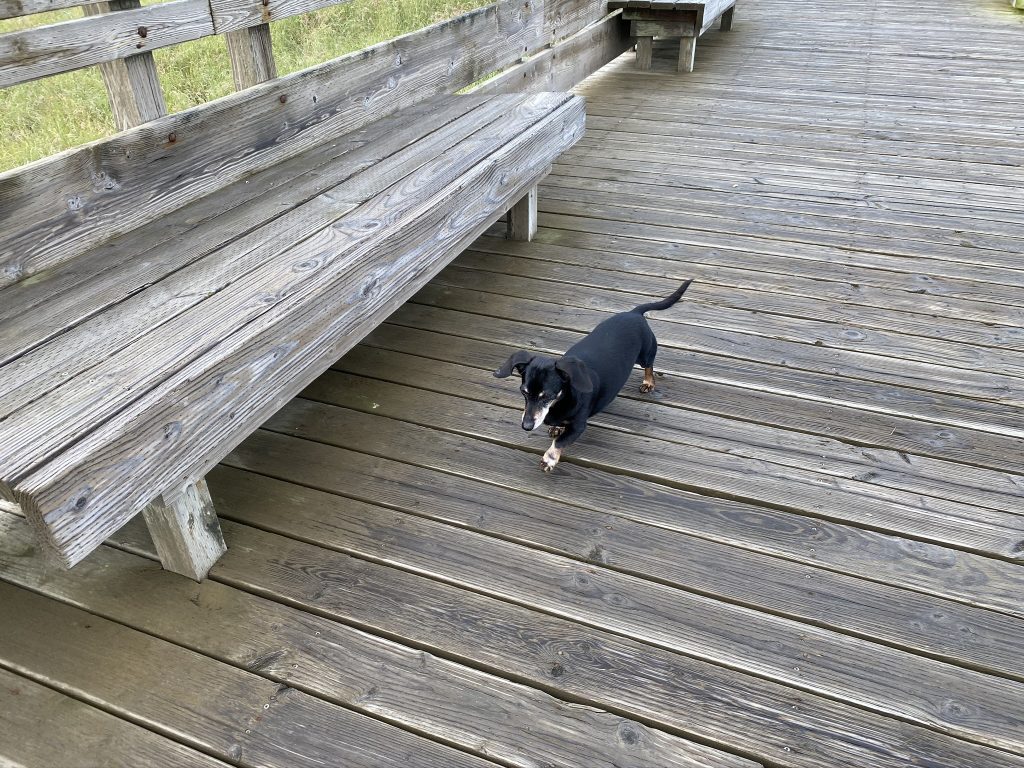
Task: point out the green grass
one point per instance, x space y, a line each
41 118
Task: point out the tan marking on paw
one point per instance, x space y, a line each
648 384
556 432
551 458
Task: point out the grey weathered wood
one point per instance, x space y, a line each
85 736
644 53
251 53
185 530
801 656
372 675
42 51
721 568
566 63
111 188
11 9
687 51
727 18
93 658
132 84
513 165
175 279
522 217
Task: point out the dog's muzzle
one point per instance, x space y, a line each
533 419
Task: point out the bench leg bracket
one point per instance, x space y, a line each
186 531
687 51
522 217
644 53
726 20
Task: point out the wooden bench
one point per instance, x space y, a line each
664 18
164 291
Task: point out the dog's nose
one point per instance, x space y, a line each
528 423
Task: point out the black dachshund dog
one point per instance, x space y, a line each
564 393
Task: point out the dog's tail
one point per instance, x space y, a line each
655 306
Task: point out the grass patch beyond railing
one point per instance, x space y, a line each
46 116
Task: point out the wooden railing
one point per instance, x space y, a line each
120 35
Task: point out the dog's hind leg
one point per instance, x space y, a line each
646 361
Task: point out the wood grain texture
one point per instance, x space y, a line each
802 656
43 51
127 671
454 216
185 530
132 84
594 667
41 727
251 53
278 120
566 63
597 532
58 208
11 9
479 712
522 217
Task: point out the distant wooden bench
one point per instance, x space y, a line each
164 291
664 18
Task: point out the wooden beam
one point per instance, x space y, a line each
687 51
132 83
252 56
186 531
644 53
522 217
55 48
727 19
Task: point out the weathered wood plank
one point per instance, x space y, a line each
594 596
674 692
133 87
447 701
41 727
252 56
60 207
185 530
883 437
563 65
668 419
117 668
595 531
12 9
522 217
42 51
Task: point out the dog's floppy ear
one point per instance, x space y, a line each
516 363
575 371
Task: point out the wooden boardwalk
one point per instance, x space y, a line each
806 548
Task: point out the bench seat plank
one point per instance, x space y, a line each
213 374
340 225
149 285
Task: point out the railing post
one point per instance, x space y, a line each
252 56
132 83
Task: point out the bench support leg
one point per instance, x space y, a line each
687 51
186 531
644 53
522 217
726 22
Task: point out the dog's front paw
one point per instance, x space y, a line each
551 457
556 432
647 387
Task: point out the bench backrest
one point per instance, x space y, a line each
56 208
